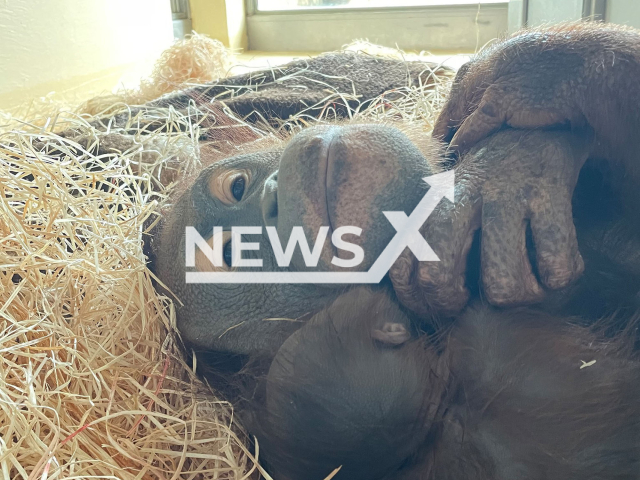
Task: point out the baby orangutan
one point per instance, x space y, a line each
502 395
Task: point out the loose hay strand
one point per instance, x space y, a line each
92 382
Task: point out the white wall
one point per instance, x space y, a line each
80 46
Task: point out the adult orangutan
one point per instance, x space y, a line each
543 128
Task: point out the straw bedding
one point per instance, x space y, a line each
93 379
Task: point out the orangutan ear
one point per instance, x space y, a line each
391 334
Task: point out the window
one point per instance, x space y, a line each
275 5
439 26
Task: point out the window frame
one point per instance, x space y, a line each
438 28
252 8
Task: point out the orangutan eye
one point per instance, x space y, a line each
229 186
204 263
227 253
237 188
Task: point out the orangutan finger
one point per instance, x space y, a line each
488 118
507 275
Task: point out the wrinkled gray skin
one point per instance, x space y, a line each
331 176
507 181
370 169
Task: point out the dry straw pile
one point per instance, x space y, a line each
92 380
92 384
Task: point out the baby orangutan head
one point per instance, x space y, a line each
354 383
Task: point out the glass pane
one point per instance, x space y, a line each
270 5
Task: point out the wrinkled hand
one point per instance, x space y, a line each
512 180
533 80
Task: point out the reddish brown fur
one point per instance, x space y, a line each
577 76
581 72
504 397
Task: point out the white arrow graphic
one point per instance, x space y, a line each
407 236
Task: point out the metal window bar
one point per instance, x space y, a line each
180 9
594 10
